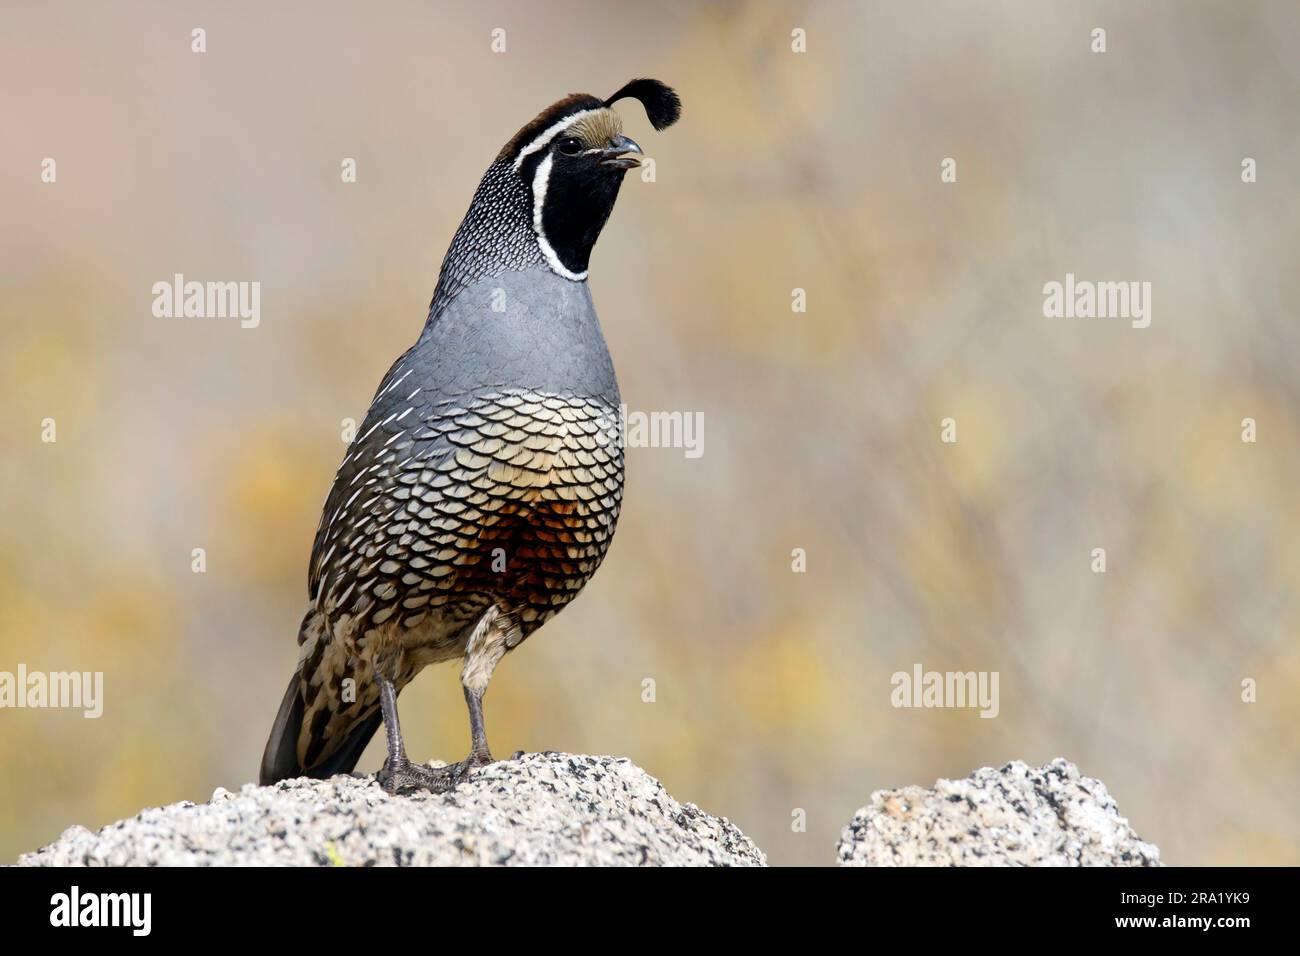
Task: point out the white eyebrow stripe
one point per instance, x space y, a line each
551 133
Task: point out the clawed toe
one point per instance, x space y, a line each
406 777
460 771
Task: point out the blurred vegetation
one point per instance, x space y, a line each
817 171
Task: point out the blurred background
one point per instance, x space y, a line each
817 171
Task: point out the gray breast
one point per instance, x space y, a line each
532 329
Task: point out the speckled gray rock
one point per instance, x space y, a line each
1013 816
539 809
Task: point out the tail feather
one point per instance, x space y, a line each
280 759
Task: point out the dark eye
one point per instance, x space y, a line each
569 146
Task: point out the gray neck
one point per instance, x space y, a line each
495 237
540 333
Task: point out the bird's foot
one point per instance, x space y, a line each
404 777
459 771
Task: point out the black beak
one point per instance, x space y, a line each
621 154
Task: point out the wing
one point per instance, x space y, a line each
394 413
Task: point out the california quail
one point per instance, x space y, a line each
482 489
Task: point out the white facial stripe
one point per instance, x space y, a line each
550 134
540 181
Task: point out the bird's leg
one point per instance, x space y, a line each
478 734
479 754
399 774
486 646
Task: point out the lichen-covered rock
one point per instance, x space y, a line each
1013 816
538 809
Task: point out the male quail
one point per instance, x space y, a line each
483 487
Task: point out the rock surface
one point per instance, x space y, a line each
1013 816
538 809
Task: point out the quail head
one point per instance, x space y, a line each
483 487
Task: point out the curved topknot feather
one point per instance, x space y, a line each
661 102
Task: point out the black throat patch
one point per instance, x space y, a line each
579 196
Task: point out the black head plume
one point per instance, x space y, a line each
662 105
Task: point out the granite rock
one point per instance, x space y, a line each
1015 815
537 809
